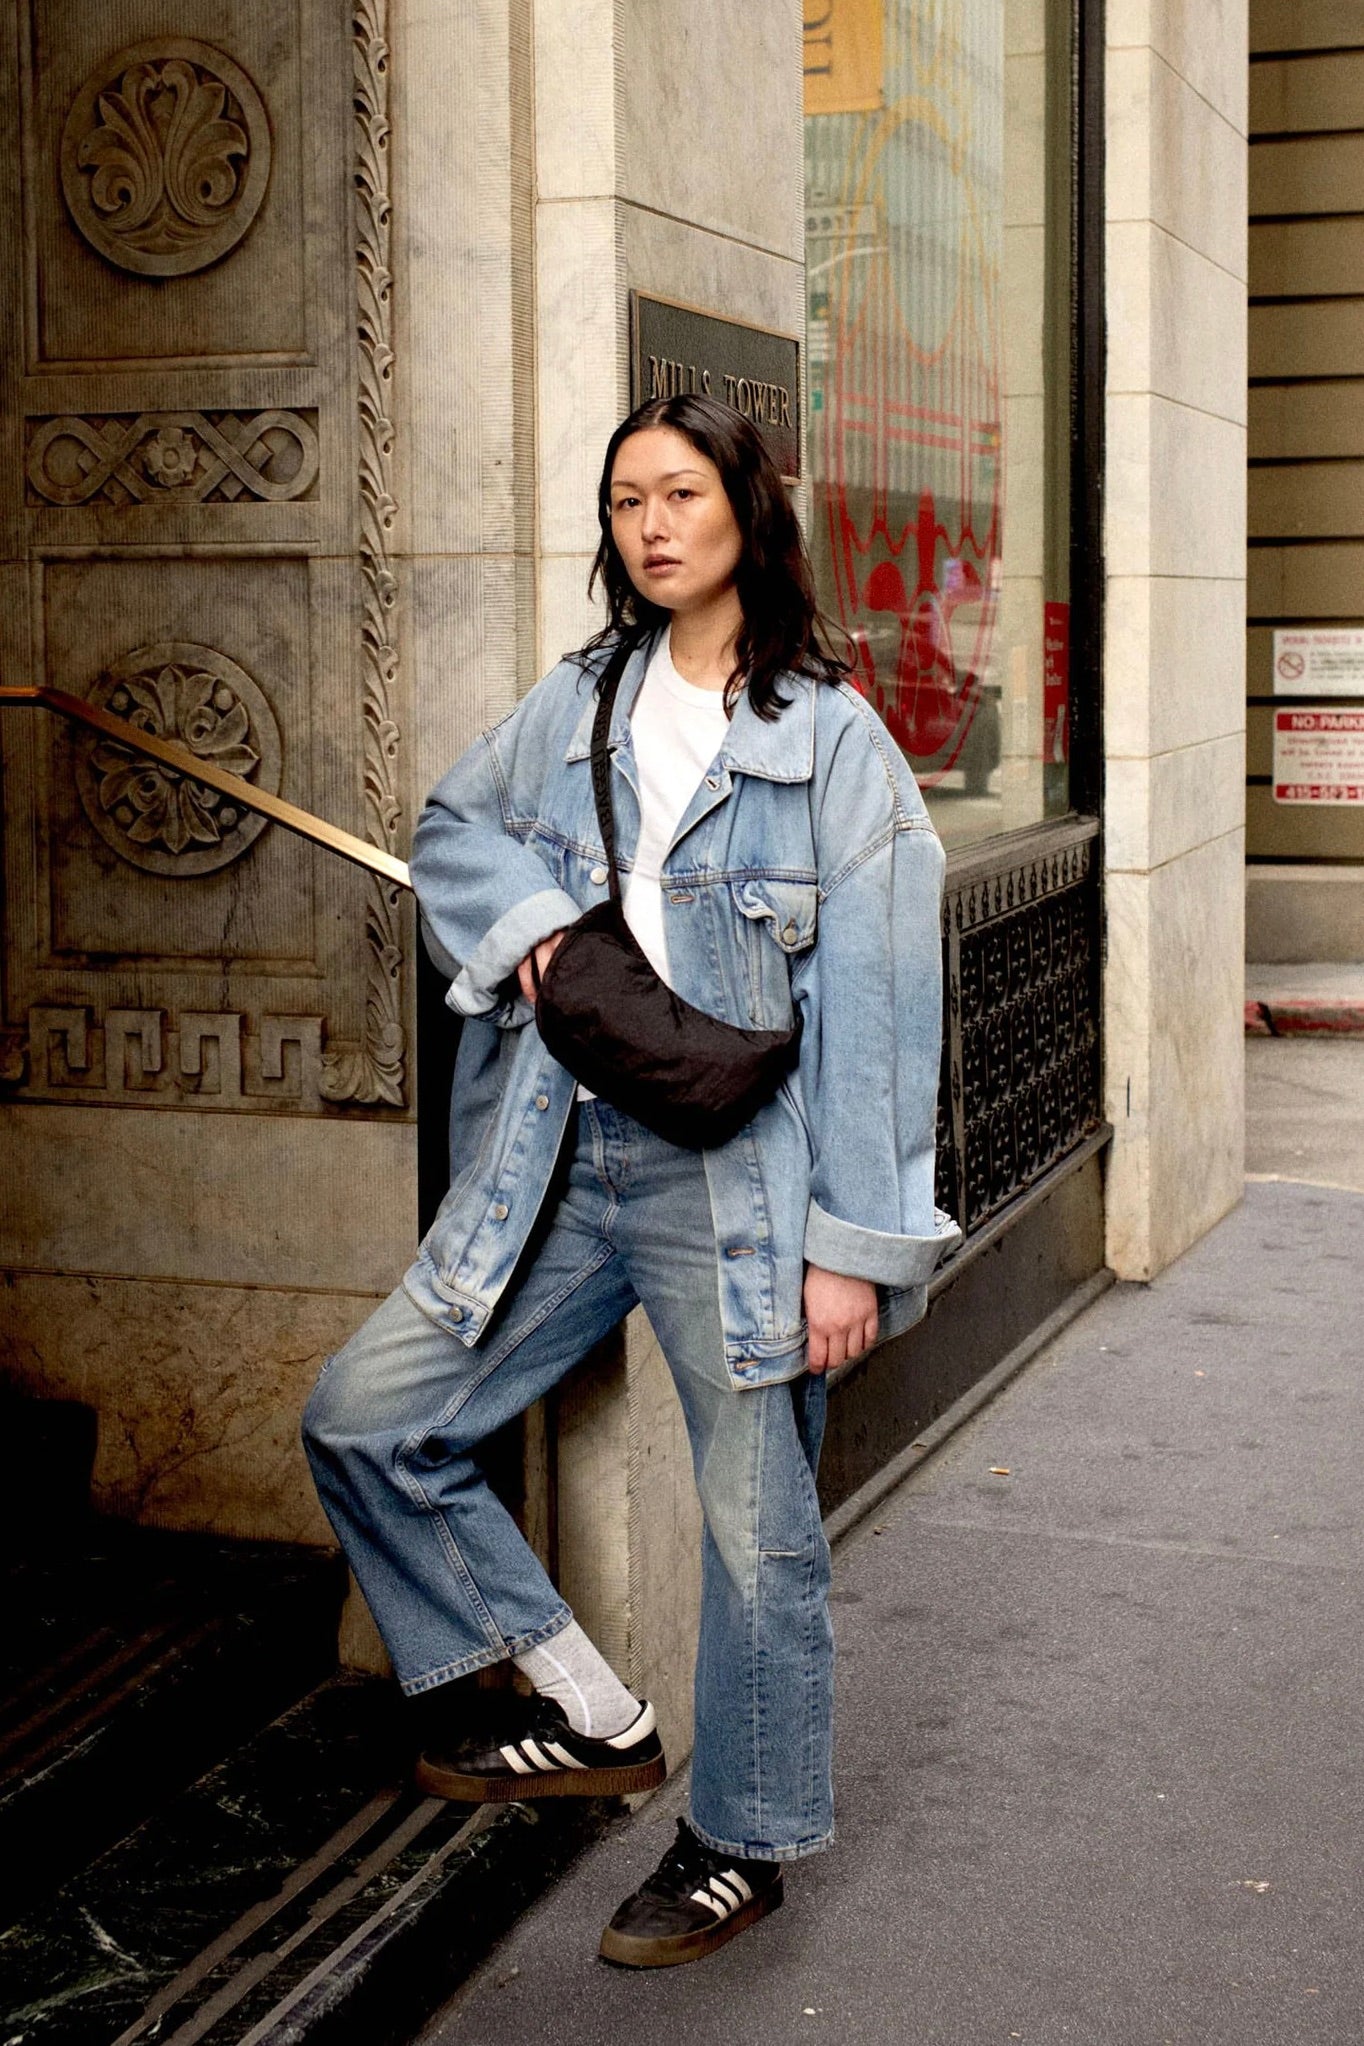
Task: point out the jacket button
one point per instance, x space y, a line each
456 1314
501 1212
598 876
789 933
542 1102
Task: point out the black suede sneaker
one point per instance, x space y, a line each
694 1901
534 1752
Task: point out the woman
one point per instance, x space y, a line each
777 863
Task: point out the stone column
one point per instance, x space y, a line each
668 159
1174 693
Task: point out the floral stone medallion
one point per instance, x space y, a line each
165 157
153 816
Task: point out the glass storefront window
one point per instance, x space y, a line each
938 252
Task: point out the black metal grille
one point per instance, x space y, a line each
1020 1075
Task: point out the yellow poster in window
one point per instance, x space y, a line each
844 72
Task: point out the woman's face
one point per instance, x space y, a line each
671 521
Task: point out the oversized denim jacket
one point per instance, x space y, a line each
804 876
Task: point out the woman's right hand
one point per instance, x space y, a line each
542 954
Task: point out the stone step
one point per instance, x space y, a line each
301 1891
131 1662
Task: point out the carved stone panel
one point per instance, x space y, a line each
172 156
165 157
196 532
171 458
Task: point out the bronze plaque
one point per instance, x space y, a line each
678 349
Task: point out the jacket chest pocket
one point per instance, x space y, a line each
777 922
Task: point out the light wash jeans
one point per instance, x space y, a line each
392 1432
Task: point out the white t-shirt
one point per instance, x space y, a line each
678 729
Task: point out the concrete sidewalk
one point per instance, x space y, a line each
1100 1719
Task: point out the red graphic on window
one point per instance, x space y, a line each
908 430
1056 683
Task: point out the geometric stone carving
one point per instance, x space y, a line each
165 157
132 1049
153 816
171 457
211 1056
209 1059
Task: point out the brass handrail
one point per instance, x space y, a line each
195 768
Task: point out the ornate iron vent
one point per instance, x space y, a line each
1020 1075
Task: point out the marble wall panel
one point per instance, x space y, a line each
1174 159
1174 664
1198 1043
729 162
576 53
568 617
677 260
465 614
1174 1068
235 1199
582 367
198 1389
1154 341
1174 648
1204 41
1176 496
1159 807
452 137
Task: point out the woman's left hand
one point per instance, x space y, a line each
842 1316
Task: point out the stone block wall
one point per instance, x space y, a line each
1174 704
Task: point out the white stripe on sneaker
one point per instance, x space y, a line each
562 1755
720 1888
636 1730
731 1875
537 1756
704 1897
513 1761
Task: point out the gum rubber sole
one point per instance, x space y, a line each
437 1781
671 1951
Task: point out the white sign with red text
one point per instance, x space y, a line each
1319 662
1319 756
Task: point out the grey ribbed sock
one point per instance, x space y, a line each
581 1682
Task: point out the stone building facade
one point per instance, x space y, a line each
321 319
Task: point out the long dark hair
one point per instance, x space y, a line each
783 627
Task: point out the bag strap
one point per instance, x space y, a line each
601 759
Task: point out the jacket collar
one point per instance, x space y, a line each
780 750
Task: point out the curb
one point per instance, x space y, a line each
1304 1016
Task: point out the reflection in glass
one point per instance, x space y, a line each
937 251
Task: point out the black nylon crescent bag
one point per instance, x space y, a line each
621 1031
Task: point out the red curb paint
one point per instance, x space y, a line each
1304 1016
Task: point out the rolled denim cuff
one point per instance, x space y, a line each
873 1253
475 988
